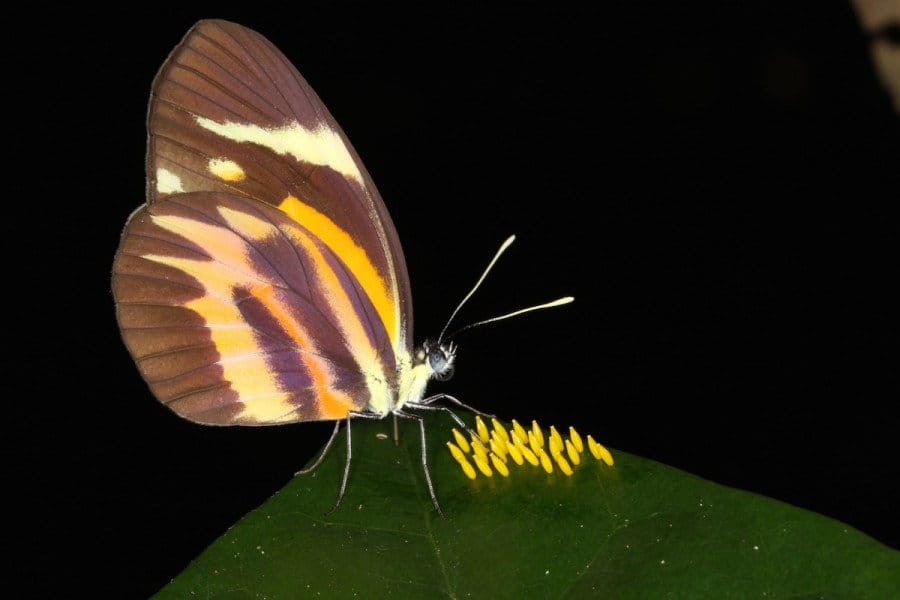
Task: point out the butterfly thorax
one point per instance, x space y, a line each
430 361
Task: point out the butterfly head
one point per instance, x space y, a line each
440 359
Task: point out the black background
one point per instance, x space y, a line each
715 185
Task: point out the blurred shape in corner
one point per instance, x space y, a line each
880 19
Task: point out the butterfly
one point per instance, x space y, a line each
263 281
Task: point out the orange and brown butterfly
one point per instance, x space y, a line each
263 281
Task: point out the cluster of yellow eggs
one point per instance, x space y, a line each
492 450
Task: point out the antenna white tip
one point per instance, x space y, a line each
557 302
503 247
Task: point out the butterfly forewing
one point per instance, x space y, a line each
230 113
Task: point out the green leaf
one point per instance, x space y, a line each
637 530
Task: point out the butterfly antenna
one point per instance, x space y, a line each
502 249
557 302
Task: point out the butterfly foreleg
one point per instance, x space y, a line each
421 421
453 415
312 467
436 397
350 415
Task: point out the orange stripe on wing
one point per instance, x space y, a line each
333 404
248 373
354 257
231 268
349 321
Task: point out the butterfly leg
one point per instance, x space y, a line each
436 397
453 415
396 432
421 421
460 422
350 415
311 468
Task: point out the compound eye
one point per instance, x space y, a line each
438 360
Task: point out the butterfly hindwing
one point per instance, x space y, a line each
237 314
229 113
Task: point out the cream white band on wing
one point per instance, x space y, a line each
321 146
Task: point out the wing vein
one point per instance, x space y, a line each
171 351
189 393
224 69
199 95
196 151
300 264
220 87
230 54
169 242
262 68
154 278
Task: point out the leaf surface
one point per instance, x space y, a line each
636 530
